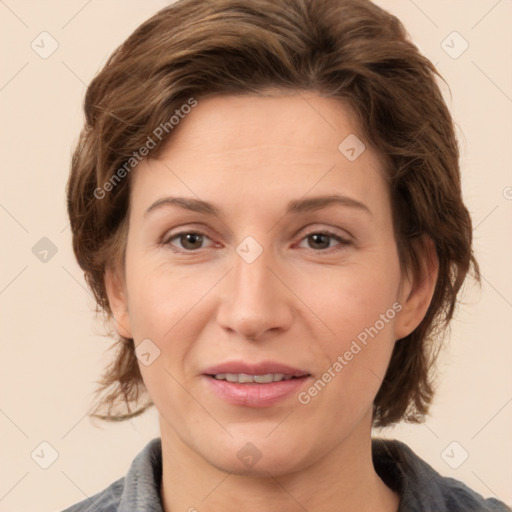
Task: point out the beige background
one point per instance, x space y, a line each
53 348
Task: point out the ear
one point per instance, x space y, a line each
117 298
416 293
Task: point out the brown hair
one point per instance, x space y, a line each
351 50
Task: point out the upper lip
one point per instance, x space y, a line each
261 368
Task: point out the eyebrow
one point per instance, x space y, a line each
295 206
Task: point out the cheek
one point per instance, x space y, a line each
357 306
160 297
349 299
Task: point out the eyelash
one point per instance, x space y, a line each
342 242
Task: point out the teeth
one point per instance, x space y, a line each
244 378
269 377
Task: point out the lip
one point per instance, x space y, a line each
260 368
255 394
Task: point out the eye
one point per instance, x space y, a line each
188 240
323 240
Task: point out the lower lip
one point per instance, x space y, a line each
254 394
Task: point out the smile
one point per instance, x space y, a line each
260 379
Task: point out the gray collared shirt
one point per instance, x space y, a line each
420 487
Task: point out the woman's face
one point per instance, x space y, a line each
258 245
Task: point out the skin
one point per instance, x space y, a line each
301 302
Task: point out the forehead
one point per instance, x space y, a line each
304 120
264 147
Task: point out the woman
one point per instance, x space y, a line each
266 201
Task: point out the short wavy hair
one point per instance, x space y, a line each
351 50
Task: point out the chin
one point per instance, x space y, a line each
263 457
267 466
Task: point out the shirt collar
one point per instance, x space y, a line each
143 481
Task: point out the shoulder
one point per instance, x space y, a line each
420 487
138 490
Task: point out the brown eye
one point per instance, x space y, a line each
321 241
187 241
191 240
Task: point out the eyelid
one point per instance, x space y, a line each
343 241
324 228
172 234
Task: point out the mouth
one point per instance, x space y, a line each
244 378
255 385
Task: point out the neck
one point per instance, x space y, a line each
343 480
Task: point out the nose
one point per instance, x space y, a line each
255 301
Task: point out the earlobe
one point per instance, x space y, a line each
417 293
117 299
